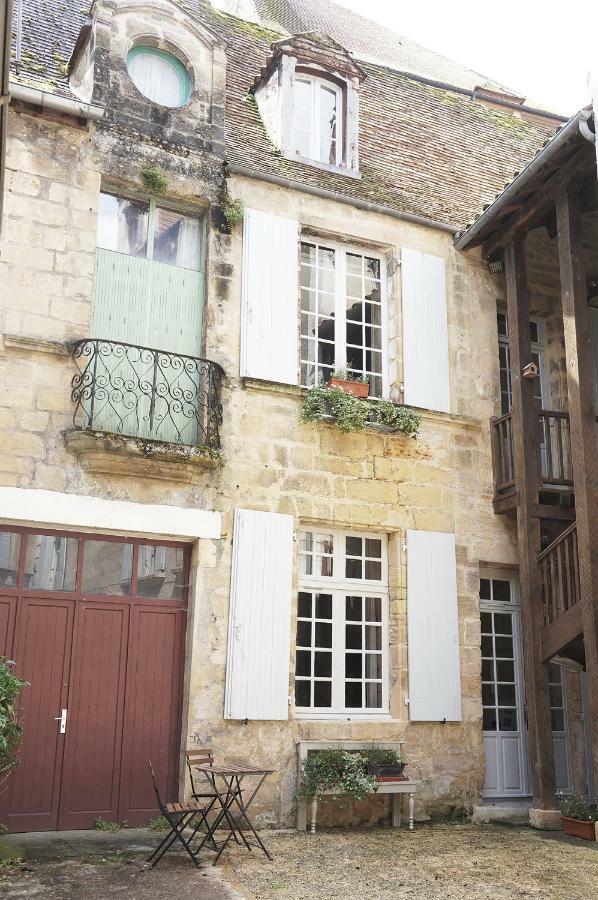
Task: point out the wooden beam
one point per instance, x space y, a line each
582 417
527 476
541 201
548 511
558 634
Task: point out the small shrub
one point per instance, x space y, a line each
577 806
11 729
233 211
160 823
153 178
103 825
336 771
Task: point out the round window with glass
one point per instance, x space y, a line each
159 76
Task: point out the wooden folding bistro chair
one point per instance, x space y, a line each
178 816
203 756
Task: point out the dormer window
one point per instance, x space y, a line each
317 120
308 97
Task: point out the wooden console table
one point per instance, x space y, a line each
395 789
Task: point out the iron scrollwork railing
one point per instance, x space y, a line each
142 392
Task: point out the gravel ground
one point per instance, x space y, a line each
440 862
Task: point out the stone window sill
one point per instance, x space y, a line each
324 167
36 345
114 454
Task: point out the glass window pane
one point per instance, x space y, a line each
373 637
487 670
373 695
353 665
488 695
373 548
353 637
505 670
353 691
489 719
302 109
10 547
556 695
302 693
504 647
373 609
486 622
554 673
122 225
303 666
534 332
353 609
323 634
506 695
51 562
487 648
304 605
177 239
322 693
353 546
308 254
304 634
501 319
503 624
323 664
353 568
323 606
373 665
484 589
507 720
158 77
161 572
557 719
107 568
373 570
328 125
501 590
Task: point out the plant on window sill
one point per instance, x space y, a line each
350 383
153 178
354 414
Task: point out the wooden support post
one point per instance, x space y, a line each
527 477
584 444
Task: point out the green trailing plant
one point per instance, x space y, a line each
153 178
337 772
233 211
101 824
160 823
377 755
353 413
11 729
577 806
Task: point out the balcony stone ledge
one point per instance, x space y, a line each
106 453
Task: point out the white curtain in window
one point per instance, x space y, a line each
188 245
156 78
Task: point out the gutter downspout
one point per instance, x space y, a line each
325 194
53 102
578 122
5 46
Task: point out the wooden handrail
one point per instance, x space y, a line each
560 574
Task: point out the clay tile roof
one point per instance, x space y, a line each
424 149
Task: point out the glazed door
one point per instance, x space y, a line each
42 653
505 744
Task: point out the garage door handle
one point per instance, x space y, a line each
62 720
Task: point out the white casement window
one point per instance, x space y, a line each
342 624
317 118
538 356
343 320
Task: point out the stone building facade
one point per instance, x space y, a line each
79 131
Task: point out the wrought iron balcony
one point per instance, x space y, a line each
142 392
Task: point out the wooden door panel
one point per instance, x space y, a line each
8 607
42 655
153 709
91 773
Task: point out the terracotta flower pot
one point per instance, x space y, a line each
355 388
579 828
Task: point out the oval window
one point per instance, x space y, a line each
159 76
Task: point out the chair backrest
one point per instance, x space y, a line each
158 798
198 756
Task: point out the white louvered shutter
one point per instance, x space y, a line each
425 333
433 627
259 636
269 326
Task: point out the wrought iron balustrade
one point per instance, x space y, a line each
554 448
560 574
148 393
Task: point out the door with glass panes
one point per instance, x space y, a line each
505 744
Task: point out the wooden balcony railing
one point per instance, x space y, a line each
554 445
560 575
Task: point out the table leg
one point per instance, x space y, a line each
301 815
411 805
243 807
396 810
313 814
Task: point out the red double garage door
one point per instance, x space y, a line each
96 626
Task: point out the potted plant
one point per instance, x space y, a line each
357 386
578 815
337 772
384 763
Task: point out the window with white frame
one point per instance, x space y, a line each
317 118
342 317
342 624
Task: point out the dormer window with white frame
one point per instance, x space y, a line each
318 120
308 97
